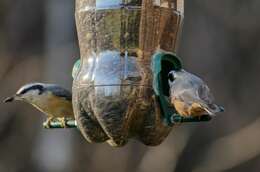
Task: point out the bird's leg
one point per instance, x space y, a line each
47 123
63 121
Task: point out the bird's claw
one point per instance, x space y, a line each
63 121
47 123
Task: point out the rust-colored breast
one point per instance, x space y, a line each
54 106
60 107
184 109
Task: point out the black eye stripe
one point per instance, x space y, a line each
171 77
34 87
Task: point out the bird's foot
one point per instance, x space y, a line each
47 123
176 119
63 121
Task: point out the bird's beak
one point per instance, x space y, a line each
11 99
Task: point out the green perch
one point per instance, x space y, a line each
175 119
59 124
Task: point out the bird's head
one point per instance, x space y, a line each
173 75
27 93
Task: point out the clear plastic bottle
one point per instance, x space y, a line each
113 98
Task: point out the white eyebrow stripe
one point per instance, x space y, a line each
27 87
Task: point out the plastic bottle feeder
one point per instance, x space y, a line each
120 87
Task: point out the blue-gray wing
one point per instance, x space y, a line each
198 93
60 92
204 94
190 89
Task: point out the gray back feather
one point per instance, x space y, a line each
190 88
59 91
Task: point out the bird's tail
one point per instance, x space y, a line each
212 109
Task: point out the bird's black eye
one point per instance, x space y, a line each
171 77
41 89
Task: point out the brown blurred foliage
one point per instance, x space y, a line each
220 43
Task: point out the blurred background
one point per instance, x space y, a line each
220 42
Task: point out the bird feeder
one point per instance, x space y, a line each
120 90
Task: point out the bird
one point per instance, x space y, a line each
51 99
190 95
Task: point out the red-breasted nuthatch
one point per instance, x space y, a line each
50 99
190 95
